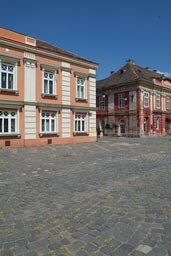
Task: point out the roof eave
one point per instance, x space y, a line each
33 49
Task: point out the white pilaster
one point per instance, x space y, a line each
29 122
92 124
29 81
66 90
66 123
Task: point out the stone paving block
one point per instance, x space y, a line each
75 246
136 253
158 252
108 198
6 253
31 253
107 250
143 248
82 253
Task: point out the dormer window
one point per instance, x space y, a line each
123 71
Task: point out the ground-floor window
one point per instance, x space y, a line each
8 122
158 123
122 126
80 122
48 122
145 124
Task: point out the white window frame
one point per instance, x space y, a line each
102 102
53 80
121 100
50 118
146 99
158 99
9 117
9 62
78 122
78 92
167 102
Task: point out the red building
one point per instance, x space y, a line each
134 101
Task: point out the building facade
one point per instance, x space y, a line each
47 94
134 101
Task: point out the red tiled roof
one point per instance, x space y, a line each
52 48
128 73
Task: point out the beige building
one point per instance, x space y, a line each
47 94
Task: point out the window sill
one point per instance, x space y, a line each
10 135
46 95
81 100
49 134
80 133
8 91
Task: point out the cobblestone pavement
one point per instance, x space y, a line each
111 197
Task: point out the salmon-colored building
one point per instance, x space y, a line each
47 94
134 101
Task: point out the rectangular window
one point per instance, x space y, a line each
157 100
80 123
158 123
146 99
48 82
7 76
167 103
102 102
48 122
81 88
121 100
8 122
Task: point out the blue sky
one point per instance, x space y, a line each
106 32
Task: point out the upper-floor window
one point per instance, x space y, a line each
102 102
48 82
80 122
81 88
167 103
157 100
8 122
121 100
146 99
7 72
48 122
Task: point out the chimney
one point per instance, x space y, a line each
131 61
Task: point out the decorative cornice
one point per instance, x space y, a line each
32 49
82 109
91 75
18 104
12 58
49 66
29 60
11 104
66 69
80 74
